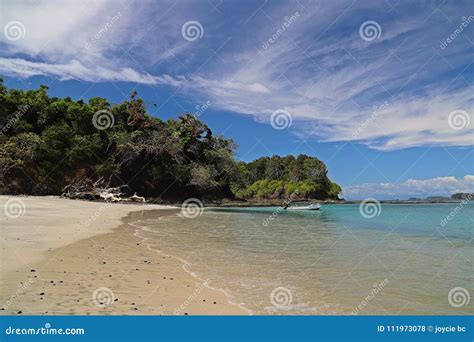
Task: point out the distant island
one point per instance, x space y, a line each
93 150
457 197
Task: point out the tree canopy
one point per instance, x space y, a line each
47 143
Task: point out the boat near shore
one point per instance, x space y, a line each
306 207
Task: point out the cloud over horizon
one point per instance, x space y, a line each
438 186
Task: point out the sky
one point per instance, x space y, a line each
381 91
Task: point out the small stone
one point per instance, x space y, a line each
33 271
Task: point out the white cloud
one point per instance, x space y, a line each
72 70
329 81
444 186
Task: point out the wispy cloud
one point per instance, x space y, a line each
318 68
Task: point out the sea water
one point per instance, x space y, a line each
396 259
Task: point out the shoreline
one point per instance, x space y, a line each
184 265
101 269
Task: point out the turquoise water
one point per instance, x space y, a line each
404 260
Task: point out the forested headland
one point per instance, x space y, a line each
62 146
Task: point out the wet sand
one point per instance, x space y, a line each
83 258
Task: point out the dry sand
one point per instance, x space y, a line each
62 256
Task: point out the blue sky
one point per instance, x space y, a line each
381 91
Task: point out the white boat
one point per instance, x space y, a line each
307 207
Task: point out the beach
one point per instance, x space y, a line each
63 256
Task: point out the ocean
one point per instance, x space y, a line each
345 259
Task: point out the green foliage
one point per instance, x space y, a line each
47 143
277 177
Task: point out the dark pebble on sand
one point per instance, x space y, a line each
104 262
116 300
214 303
19 312
171 278
42 294
185 313
33 271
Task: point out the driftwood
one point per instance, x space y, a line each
136 198
86 189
